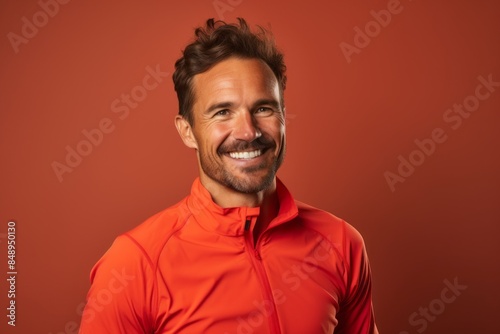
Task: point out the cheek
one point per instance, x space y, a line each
214 136
274 128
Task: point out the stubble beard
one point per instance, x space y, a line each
248 184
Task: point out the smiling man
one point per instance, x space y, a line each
239 254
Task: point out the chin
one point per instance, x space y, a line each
249 184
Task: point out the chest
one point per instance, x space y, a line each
283 284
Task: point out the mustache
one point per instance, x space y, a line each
242 145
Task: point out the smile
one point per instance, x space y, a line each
245 155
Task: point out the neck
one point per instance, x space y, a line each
268 210
266 199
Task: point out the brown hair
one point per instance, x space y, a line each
215 42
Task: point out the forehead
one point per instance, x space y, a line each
236 78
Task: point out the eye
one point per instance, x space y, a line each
222 112
264 110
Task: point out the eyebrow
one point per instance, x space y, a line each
260 102
220 105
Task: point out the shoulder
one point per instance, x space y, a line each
336 230
152 235
144 243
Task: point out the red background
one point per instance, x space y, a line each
347 125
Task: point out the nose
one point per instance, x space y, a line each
245 127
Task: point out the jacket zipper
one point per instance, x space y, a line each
262 275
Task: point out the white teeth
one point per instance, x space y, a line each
245 155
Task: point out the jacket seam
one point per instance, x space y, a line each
348 268
153 269
337 250
159 255
154 266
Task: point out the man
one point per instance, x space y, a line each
239 254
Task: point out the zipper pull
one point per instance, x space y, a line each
247 224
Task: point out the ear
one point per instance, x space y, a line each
186 132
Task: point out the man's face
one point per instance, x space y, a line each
239 125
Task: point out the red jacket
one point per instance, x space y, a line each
193 268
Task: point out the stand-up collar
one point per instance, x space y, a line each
231 221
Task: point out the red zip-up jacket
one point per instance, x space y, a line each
195 268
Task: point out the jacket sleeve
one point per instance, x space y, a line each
122 292
356 310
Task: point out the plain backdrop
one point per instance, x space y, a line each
352 118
